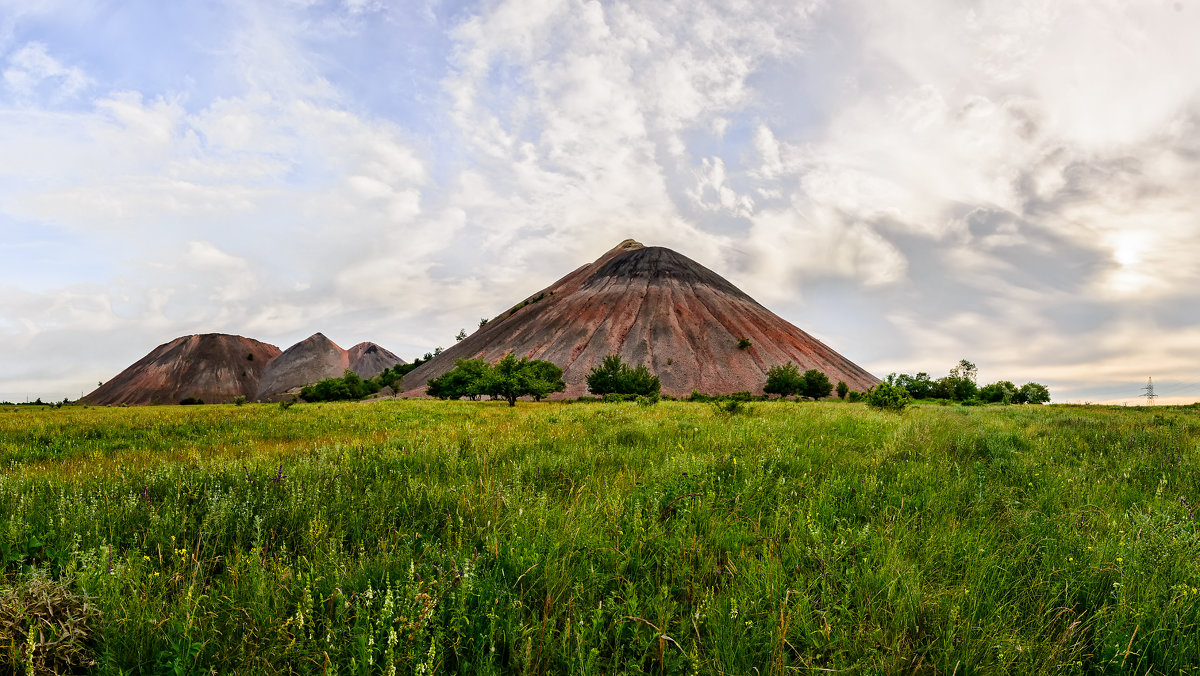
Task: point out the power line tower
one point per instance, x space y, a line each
1149 391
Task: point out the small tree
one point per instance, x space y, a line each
784 380
462 333
1033 393
816 384
888 397
614 376
744 343
513 378
842 389
483 322
919 386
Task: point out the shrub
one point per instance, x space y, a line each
615 376
349 386
842 389
191 401
744 343
888 397
854 396
47 628
732 407
239 400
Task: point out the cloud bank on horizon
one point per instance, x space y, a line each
1010 182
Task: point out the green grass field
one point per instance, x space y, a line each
429 537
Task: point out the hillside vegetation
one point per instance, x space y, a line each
429 537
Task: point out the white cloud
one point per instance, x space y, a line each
31 71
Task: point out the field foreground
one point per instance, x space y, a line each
426 537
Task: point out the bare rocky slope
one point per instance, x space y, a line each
213 367
652 306
316 358
369 360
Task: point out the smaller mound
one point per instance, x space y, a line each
313 359
369 360
213 367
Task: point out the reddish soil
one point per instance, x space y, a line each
652 306
213 367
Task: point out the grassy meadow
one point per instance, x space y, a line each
424 537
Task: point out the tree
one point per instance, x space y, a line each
512 378
842 389
1033 393
545 378
919 386
816 384
462 333
965 370
1000 392
483 322
468 378
614 376
784 380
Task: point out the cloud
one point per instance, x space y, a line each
1003 181
31 71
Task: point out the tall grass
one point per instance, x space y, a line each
426 537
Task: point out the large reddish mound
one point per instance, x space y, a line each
214 367
316 358
656 307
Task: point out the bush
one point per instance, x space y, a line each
350 386
47 628
854 396
191 401
888 397
239 400
731 407
744 343
615 376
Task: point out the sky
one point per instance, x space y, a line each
913 182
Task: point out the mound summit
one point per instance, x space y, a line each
214 367
316 358
652 306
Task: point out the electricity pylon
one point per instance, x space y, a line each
1149 391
